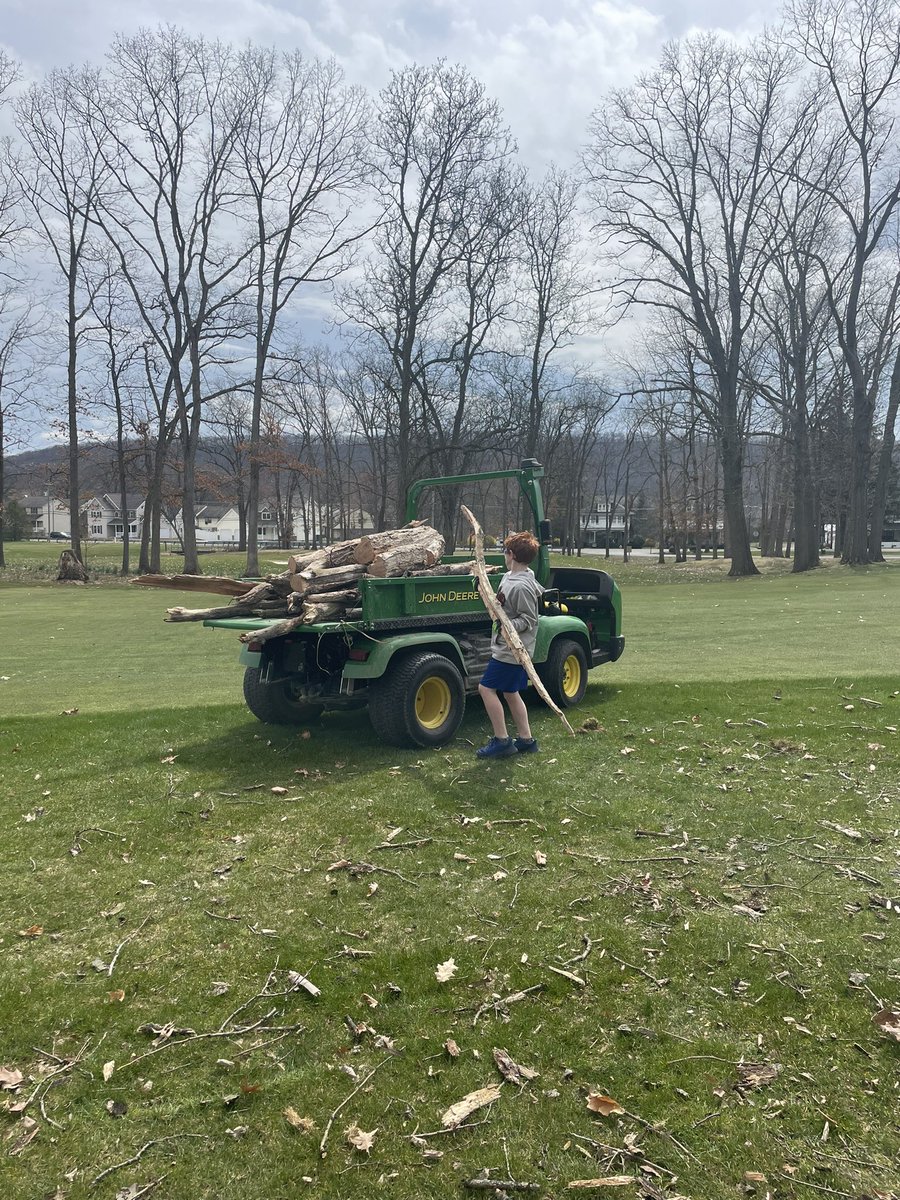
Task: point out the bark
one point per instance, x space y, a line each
885 460
217 584
371 545
71 569
735 516
326 579
509 632
806 532
463 568
424 552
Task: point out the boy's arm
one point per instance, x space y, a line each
522 609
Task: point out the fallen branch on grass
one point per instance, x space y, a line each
143 1150
322 1151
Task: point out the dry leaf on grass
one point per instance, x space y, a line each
445 971
22 1133
605 1182
293 1118
888 1022
451 1047
10 1078
359 1139
756 1075
108 1069
458 1112
540 858
32 931
604 1105
512 1071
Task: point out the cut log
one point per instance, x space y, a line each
464 568
337 555
326 579
219 585
509 631
296 600
314 614
279 629
424 552
203 614
372 545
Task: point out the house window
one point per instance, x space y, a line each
97 529
132 528
96 514
265 516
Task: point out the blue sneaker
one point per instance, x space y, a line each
497 748
526 746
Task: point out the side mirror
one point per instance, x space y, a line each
544 532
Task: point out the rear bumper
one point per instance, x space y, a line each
610 651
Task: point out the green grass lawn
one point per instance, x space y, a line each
716 868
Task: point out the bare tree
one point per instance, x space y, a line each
854 46
680 169
435 138
165 124
61 177
555 291
300 162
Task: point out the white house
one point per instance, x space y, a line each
106 520
49 517
597 520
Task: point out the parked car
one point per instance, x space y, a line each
56 536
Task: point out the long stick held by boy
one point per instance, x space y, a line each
515 612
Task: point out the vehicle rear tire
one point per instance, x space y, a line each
420 701
276 703
564 674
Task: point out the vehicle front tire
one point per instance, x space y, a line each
276 703
565 672
420 701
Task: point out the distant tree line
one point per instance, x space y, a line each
170 220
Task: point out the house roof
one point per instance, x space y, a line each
132 500
215 511
40 501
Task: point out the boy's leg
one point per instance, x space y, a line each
519 713
494 708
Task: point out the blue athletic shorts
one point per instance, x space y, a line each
505 677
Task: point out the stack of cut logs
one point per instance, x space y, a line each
319 585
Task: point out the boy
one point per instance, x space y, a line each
520 595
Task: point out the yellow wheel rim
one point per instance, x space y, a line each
433 703
571 680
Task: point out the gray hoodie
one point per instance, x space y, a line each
519 595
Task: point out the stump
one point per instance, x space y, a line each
70 569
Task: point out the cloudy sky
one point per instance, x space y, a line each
548 62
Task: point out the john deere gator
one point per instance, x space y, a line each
422 642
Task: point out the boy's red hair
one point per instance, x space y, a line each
522 546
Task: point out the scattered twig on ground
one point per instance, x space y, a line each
500 1185
136 1157
513 998
403 845
322 1151
124 943
660 983
65 1066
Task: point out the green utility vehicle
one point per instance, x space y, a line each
423 642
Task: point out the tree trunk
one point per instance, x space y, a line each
855 546
885 461
806 533
732 486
